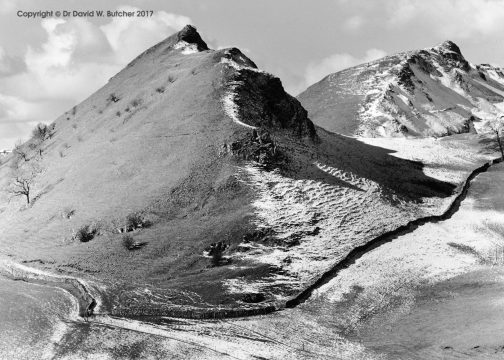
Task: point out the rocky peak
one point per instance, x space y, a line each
190 35
450 46
449 56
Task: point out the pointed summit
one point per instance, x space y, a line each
430 92
190 35
187 41
450 46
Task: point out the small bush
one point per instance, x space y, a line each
74 110
41 132
118 114
135 221
85 233
216 258
74 126
113 98
171 78
216 252
129 243
136 102
160 89
19 152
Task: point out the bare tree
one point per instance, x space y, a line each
496 126
22 181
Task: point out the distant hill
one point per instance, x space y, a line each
193 178
430 92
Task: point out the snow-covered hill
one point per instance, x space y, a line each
211 153
430 92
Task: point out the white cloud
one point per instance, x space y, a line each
450 18
129 37
9 65
7 6
353 23
315 71
75 59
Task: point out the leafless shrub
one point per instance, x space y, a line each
41 132
85 233
113 98
136 221
19 152
130 244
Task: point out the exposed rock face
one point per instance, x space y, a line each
190 35
263 102
258 147
430 92
260 101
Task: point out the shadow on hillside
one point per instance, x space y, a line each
403 177
490 144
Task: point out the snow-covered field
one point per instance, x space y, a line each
330 220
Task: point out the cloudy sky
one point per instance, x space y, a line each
48 65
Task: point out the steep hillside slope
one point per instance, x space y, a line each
198 181
430 92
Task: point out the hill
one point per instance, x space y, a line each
192 180
430 92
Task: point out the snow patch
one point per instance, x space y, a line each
232 63
186 48
324 221
229 105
